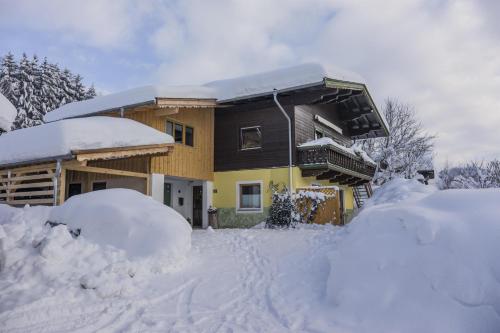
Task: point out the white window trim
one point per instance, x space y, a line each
249 210
240 139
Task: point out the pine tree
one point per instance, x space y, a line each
79 88
67 88
37 115
49 90
26 96
8 78
90 93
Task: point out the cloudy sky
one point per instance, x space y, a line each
443 57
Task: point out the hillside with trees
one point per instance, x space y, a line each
36 88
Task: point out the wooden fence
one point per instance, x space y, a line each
327 211
32 185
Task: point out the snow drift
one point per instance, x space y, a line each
125 238
127 220
412 262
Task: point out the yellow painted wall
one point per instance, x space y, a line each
225 184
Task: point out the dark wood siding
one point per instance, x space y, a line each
305 124
274 127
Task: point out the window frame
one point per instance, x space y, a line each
192 136
74 183
240 146
184 126
239 209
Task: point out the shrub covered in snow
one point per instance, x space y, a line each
127 220
282 212
426 264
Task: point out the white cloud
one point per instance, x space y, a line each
104 24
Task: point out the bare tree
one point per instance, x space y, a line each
406 150
471 175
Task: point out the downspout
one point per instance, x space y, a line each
290 180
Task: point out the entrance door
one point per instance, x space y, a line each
167 194
197 206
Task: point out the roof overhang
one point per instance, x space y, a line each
355 103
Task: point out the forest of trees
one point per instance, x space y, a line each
36 88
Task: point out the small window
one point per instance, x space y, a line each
189 136
97 186
178 133
74 189
250 197
318 134
251 137
169 128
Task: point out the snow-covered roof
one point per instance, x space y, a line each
223 90
127 98
280 79
61 138
8 113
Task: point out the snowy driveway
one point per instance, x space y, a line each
234 280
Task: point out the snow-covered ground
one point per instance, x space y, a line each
415 260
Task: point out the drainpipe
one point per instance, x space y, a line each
290 183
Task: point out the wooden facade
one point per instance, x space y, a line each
195 162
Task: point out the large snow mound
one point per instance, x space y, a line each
127 98
8 113
60 138
419 263
127 220
283 78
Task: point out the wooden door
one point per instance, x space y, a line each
197 206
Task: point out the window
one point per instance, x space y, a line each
178 133
189 136
249 196
97 186
250 137
169 129
74 189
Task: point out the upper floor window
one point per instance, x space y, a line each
180 133
318 134
189 136
250 137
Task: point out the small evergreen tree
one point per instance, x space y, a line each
26 113
90 93
282 211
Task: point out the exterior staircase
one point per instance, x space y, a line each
362 193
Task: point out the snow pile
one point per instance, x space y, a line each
124 239
60 138
8 113
128 98
283 78
399 189
419 263
127 220
326 141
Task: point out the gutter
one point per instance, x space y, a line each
290 177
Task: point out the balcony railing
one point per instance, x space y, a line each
330 157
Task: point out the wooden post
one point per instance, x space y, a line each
62 185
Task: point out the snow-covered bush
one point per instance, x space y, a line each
126 220
470 175
426 264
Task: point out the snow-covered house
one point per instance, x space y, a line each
230 141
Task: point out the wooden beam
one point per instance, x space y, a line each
339 179
185 102
328 175
166 112
28 185
106 171
117 153
26 194
30 201
62 186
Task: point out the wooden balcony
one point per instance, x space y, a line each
334 163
